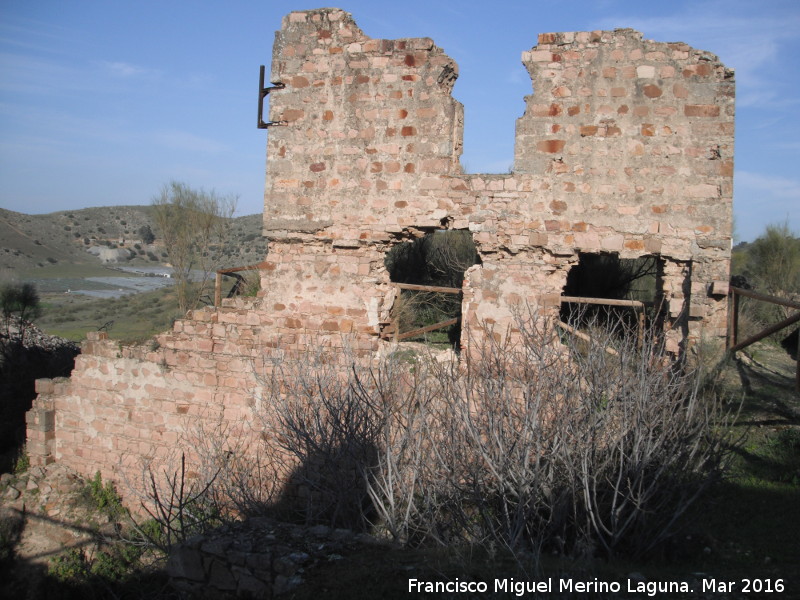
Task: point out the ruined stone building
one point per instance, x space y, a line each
625 147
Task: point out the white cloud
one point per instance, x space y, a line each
182 140
123 69
779 187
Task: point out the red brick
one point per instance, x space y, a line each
545 110
701 110
293 114
299 82
652 91
550 146
562 92
634 245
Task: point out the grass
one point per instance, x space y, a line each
67 270
134 317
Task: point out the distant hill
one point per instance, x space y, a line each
28 242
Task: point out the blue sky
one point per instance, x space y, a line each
102 102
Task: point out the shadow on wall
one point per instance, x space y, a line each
23 360
330 487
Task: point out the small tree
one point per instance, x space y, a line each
193 225
20 301
775 260
773 266
147 234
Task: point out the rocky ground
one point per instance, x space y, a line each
44 513
49 507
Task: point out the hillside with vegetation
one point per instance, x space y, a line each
30 245
63 252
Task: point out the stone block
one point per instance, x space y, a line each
44 386
186 563
720 288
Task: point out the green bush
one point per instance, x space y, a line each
771 264
70 567
104 496
21 301
23 462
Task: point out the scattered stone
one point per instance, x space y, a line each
259 558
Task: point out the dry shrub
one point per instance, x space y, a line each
536 443
529 444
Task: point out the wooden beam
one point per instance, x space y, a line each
766 332
255 267
416 332
427 288
607 301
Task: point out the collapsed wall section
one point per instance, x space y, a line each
626 147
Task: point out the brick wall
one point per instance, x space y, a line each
625 146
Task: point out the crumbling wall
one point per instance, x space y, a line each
625 147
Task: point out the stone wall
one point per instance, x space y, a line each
625 147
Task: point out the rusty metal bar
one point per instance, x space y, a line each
427 288
767 332
416 332
263 92
766 298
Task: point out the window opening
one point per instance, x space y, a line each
607 276
436 260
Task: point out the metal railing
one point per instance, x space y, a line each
733 342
